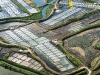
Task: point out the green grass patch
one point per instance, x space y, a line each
49 9
94 62
35 16
97 46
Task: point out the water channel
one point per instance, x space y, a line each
45 8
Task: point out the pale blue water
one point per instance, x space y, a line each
96 0
39 2
45 8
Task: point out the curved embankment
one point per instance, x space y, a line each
96 68
2 44
97 65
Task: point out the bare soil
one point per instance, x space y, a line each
78 50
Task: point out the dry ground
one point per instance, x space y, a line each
82 44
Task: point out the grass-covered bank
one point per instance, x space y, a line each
35 16
49 10
78 63
96 68
97 46
94 62
1 39
83 29
79 72
18 68
4 71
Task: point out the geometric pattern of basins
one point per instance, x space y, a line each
25 61
22 36
62 16
9 9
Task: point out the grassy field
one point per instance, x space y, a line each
4 71
81 45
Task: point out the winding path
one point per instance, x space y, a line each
89 71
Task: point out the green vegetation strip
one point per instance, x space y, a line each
1 39
94 62
49 10
97 72
97 46
34 16
22 69
79 72
71 57
97 67
10 46
66 22
82 73
7 20
20 6
83 29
